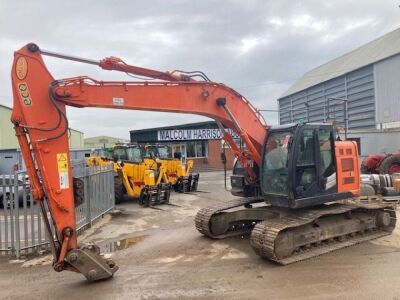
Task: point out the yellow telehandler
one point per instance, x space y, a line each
133 177
157 156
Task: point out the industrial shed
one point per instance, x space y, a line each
368 78
10 155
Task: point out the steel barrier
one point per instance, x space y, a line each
22 229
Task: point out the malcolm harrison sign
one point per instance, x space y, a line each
193 134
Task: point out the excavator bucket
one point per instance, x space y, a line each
88 261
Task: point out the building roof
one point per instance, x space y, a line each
103 137
5 106
76 130
10 108
383 47
187 125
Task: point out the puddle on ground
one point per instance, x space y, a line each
124 243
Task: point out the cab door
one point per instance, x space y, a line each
305 163
314 161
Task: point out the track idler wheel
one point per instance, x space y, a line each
284 245
383 219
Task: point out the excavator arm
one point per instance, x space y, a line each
41 125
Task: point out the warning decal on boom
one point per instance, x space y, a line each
62 164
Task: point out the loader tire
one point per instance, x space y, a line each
390 164
119 190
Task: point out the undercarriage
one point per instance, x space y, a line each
287 236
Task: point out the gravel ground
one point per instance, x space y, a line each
162 256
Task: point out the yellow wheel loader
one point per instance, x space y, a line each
179 174
133 177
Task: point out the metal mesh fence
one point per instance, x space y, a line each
22 229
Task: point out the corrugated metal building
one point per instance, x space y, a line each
369 78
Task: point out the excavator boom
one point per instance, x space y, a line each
41 125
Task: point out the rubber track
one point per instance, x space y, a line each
204 215
264 234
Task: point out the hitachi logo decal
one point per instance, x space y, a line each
21 68
24 93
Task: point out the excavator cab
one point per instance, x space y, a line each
299 167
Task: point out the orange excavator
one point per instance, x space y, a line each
302 181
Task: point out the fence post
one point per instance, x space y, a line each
16 203
87 187
11 210
111 181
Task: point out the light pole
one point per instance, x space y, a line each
288 110
345 111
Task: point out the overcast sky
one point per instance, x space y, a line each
258 48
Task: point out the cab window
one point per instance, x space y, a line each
328 171
275 168
120 154
305 165
134 155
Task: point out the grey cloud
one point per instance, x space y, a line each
257 47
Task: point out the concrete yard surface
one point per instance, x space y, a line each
162 256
